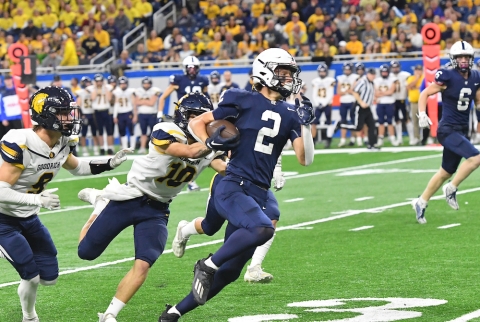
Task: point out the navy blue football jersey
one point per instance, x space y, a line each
265 127
187 85
457 97
226 87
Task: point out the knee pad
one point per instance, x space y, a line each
48 283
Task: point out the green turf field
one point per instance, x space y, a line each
391 270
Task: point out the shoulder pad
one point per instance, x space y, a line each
156 90
442 76
233 96
166 133
12 146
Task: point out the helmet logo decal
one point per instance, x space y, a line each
38 102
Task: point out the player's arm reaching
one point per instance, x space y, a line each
477 99
161 102
435 87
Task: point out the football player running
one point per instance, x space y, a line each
31 158
174 159
265 122
459 86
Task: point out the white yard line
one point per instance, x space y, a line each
363 198
361 228
448 226
467 317
293 200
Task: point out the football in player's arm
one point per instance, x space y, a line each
30 160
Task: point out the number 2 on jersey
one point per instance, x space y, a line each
266 131
464 102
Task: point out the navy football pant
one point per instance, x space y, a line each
149 223
328 114
124 122
28 246
345 109
456 146
104 121
385 113
89 121
147 121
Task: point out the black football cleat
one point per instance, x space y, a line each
110 152
202 280
168 317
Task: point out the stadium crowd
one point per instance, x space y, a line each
68 33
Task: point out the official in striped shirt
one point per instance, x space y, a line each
364 93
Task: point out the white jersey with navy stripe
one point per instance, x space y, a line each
346 83
85 101
40 164
123 100
401 89
383 85
323 89
147 94
162 176
100 102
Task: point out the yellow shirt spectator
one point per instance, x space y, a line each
50 20
6 23
38 21
207 36
456 26
475 27
36 45
303 38
465 3
20 21
228 10
81 17
102 37
442 27
258 30
378 26
67 17
257 9
211 11
243 46
154 45
198 48
278 8
386 47
413 18
70 57
414 94
214 47
255 46
132 13
289 26
144 8
64 31
314 18
234 31
355 47
476 43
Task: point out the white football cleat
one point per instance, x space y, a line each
257 275
36 319
419 211
380 142
90 195
450 196
179 242
193 186
102 317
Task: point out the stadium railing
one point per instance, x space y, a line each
110 59
160 17
96 68
142 29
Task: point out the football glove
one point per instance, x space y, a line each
49 200
216 142
423 120
278 179
305 112
120 157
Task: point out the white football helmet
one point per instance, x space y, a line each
263 71
461 48
191 66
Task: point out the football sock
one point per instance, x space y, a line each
99 205
409 127
124 141
260 253
210 264
241 240
342 141
398 130
423 203
115 307
190 229
27 291
173 310
452 185
133 141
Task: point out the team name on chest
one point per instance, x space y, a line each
47 166
192 162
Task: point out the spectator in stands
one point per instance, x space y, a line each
140 53
450 11
316 16
154 43
449 31
342 50
213 47
186 51
304 50
386 46
427 16
91 45
400 42
81 53
52 60
354 46
211 10
113 34
178 42
278 7
171 57
68 16
62 29
103 19
245 45
295 21
257 8
409 13
132 13
145 9
369 34
198 46
55 42
464 33
261 26
82 15
416 37
111 11
297 37
405 26
124 59
472 24
169 40
37 21
122 22
239 37
369 13
186 20
223 59
70 57
295 11
229 9
272 36
102 36
229 45
19 21
267 13
437 11
353 27
31 31
37 44
232 26
23 39
50 20
168 29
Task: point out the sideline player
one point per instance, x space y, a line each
84 100
124 113
385 86
345 83
31 158
400 95
174 158
323 88
459 86
214 88
265 122
146 101
101 95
